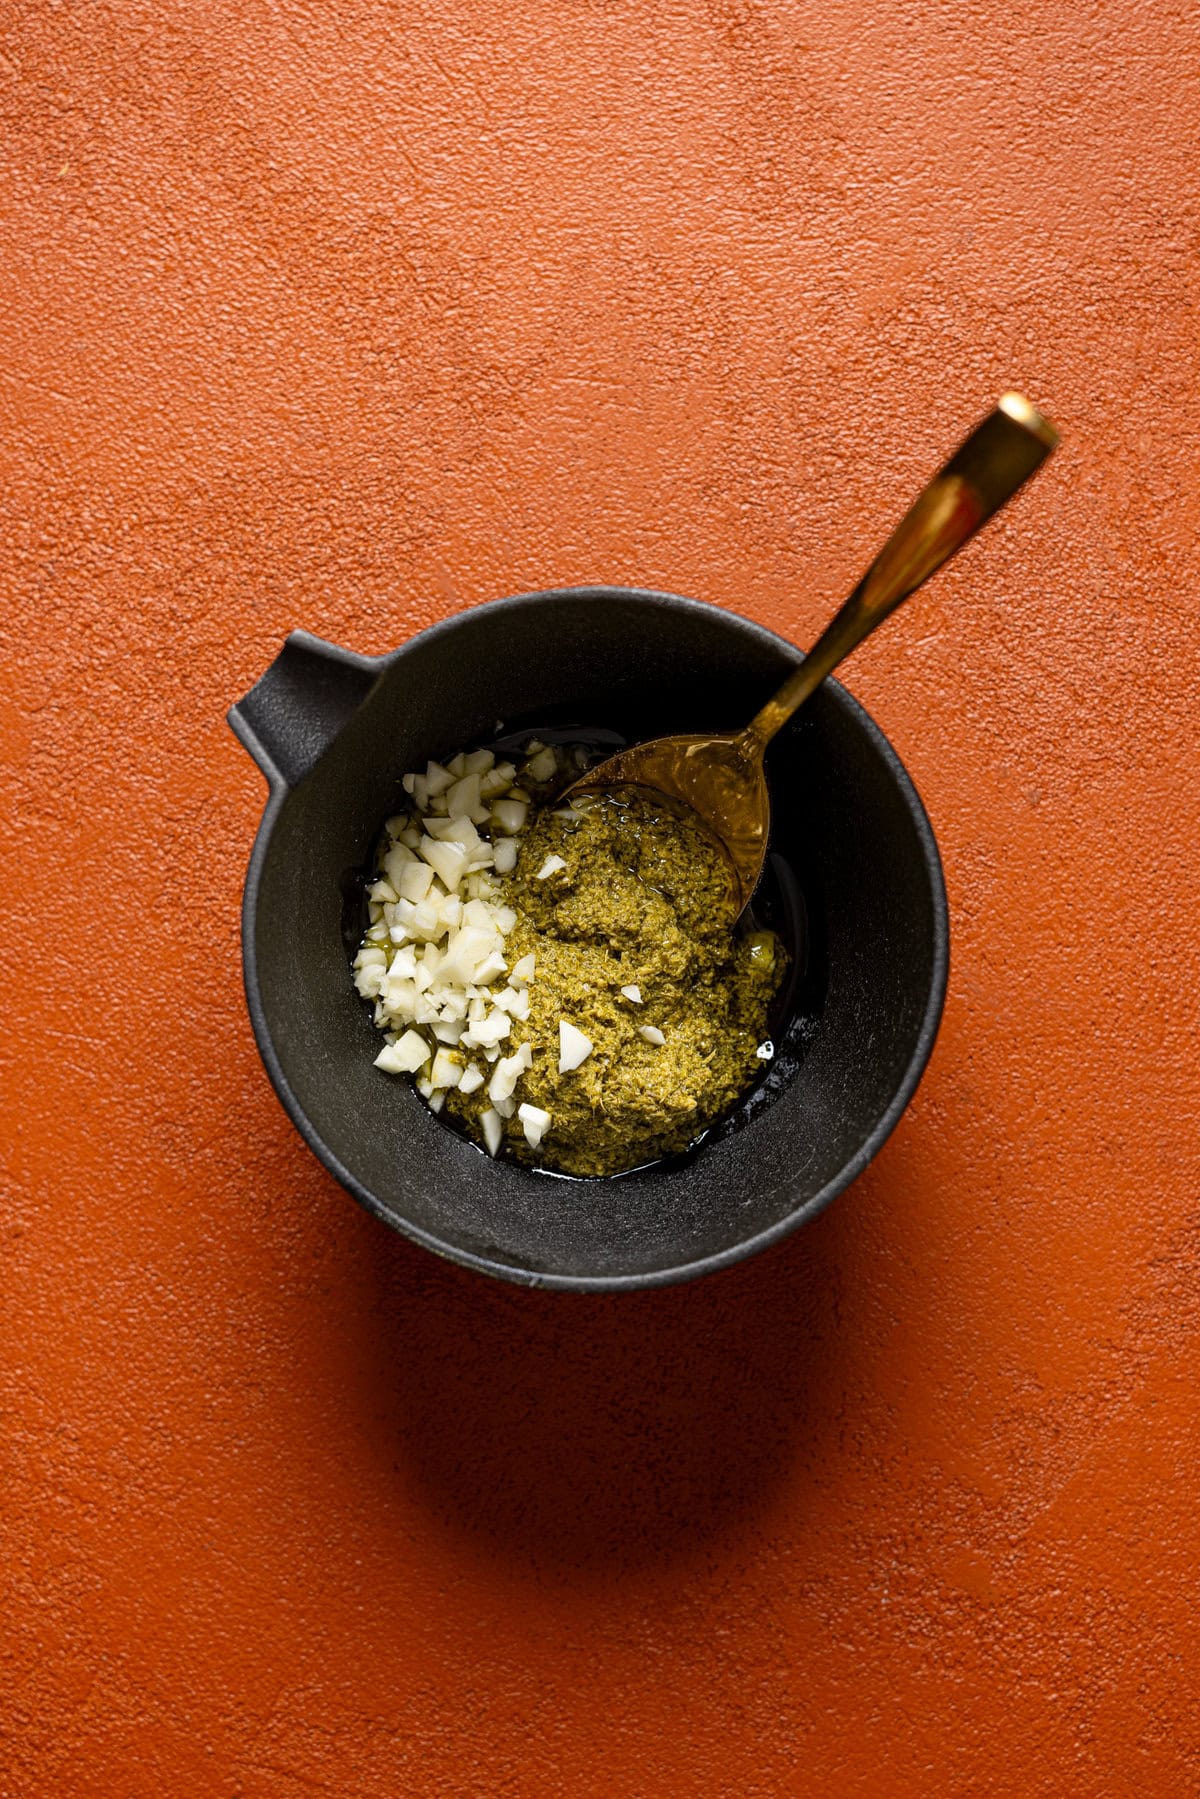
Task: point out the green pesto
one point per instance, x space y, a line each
643 901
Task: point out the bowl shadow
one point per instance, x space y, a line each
593 1432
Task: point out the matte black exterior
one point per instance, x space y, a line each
333 732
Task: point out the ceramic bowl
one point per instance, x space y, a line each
857 876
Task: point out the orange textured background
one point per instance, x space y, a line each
346 315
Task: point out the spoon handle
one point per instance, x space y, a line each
984 472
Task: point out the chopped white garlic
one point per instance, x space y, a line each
491 968
498 780
463 798
404 1057
400 999
535 1123
573 1047
423 922
489 1031
466 949
448 860
432 959
652 1034
394 864
403 966
493 1130
479 915
505 1075
633 995
415 880
447 1069
543 766
510 815
455 829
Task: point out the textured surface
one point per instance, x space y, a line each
347 316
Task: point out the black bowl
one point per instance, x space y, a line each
333 732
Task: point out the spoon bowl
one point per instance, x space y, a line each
719 777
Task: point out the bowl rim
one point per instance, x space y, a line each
737 1252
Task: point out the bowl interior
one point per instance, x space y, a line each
844 816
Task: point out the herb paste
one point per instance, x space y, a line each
641 902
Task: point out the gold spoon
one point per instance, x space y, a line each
721 778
